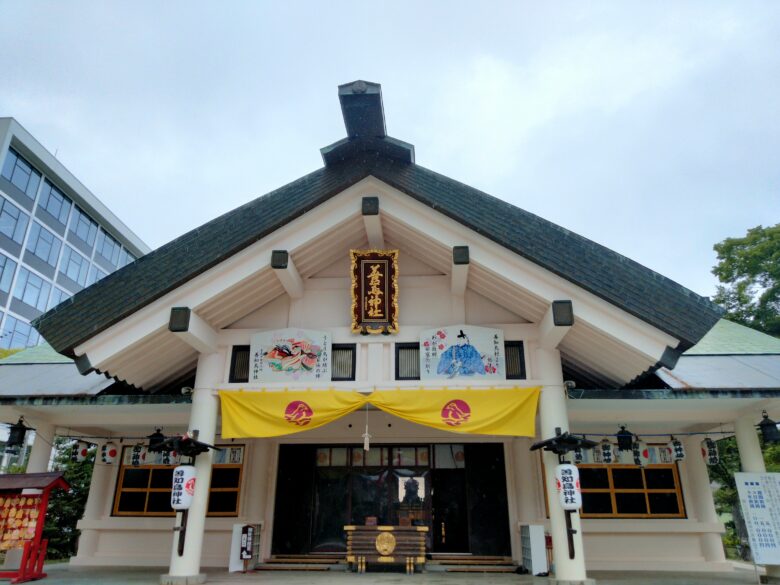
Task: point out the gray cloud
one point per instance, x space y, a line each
651 128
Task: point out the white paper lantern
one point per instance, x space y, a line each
183 488
80 452
641 453
709 451
138 455
677 449
567 482
607 454
108 453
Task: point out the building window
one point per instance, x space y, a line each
83 226
31 289
57 296
94 275
108 247
54 202
13 221
7 268
630 491
239 364
21 174
145 490
74 266
17 334
44 244
407 361
515 360
125 258
342 362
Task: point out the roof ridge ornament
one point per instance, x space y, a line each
364 120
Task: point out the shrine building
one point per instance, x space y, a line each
375 347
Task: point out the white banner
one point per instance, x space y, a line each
759 497
290 355
462 351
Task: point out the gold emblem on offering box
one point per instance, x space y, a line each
385 543
374 291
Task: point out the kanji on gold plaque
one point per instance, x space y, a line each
374 291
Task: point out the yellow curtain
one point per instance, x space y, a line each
270 414
510 412
492 411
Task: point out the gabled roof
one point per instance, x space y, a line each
626 284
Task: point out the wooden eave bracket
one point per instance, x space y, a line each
192 330
556 323
372 222
460 270
284 268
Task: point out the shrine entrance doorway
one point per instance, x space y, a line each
457 490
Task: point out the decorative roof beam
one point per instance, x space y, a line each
460 270
373 223
287 274
192 330
555 324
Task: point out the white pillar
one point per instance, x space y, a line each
751 459
99 488
702 500
185 569
40 455
553 414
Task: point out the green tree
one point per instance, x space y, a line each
749 270
67 508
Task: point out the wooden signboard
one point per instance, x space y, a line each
374 291
22 516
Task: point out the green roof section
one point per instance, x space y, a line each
729 338
40 354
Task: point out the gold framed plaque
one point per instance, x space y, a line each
374 291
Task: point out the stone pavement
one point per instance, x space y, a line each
63 574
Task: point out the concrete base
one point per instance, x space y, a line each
182 579
554 581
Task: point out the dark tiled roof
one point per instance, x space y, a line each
626 284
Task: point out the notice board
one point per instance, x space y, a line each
759 497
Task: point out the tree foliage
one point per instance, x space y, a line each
67 508
749 270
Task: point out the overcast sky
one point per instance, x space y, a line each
650 127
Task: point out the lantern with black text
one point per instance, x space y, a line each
108 453
567 482
578 455
183 488
709 451
677 449
79 452
607 455
138 455
641 452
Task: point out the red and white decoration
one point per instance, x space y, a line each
183 489
677 449
567 482
80 451
641 453
709 451
108 453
